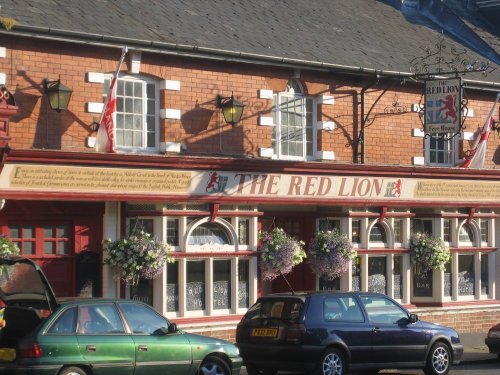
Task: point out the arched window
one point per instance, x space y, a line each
209 233
294 118
466 234
378 234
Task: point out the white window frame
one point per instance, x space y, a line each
277 138
451 158
146 81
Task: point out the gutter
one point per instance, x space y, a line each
215 54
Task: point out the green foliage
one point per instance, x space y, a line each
428 253
7 247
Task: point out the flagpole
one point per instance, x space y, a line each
105 139
115 75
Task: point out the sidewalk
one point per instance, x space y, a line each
477 353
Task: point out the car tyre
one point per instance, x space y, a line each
439 360
332 363
213 365
72 371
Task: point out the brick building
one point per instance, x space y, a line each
331 137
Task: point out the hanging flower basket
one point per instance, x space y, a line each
7 247
137 256
279 253
428 253
329 254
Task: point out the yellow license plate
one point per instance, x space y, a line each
265 332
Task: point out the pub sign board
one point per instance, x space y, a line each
443 103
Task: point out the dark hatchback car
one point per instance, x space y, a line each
44 336
330 333
492 340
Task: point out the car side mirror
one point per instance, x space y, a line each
413 318
172 328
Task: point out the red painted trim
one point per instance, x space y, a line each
472 211
206 254
299 201
472 249
214 209
383 214
223 163
193 213
206 319
381 251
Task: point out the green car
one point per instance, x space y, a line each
96 336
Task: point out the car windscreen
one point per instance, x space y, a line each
283 309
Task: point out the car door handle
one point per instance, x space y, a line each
375 329
143 348
91 348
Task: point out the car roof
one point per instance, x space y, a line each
93 300
304 295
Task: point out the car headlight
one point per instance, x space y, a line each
494 334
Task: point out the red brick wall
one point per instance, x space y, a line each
388 137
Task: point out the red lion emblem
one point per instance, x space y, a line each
449 108
212 181
397 188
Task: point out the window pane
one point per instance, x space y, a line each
377 271
173 232
208 233
356 231
222 284
398 230
27 248
466 275
398 277
484 274
129 88
484 230
63 248
377 234
447 230
49 232
65 324
356 274
49 247
448 280
243 283
342 309
195 286
328 224
244 231
142 319
466 234
14 232
383 311
173 286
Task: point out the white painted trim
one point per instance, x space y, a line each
170 147
168 113
266 152
167 84
93 77
470 112
326 125
266 121
3 78
468 136
265 94
326 155
418 160
416 107
94 107
326 99
135 62
3 52
91 142
418 133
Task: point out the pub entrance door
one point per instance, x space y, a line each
302 228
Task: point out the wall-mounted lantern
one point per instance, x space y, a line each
58 94
232 109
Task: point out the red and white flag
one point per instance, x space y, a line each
476 157
105 140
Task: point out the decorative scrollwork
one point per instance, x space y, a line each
395 107
445 60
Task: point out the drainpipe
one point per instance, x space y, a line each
361 137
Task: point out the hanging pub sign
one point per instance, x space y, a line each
443 100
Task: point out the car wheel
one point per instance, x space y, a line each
72 371
332 363
213 365
439 360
